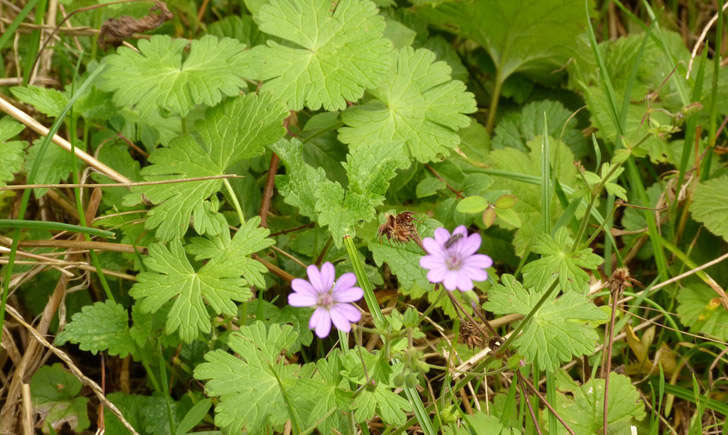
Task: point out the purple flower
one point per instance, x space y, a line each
452 259
331 299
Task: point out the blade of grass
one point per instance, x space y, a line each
414 398
712 124
10 30
31 177
54 226
546 177
632 170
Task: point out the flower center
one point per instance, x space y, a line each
453 261
326 300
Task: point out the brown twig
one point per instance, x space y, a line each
439 177
545 403
528 403
268 191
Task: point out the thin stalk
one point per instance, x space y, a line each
234 198
414 398
31 177
546 177
165 391
494 101
705 172
54 226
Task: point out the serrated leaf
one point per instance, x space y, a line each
583 409
419 105
215 147
242 28
171 277
11 150
99 327
251 377
331 58
47 101
710 205
519 35
516 129
55 395
557 332
149 415
156 76
234 253
558 260
342 210
700 309
391 407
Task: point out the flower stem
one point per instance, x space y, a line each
414 398
234 197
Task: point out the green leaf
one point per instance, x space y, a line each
156 76
710 205
700 309
56 165
519 35
445 51
172 277
47 101
99 327
11 150
399 34
472 204
147 414
329 58
558 332
583 407
516 129
342 210
226 253
528 205
242 28
558 260
55 396
389 406
251 378
215 147
419 105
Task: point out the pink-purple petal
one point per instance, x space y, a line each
351 294
451 280
464 283
328 275
432 247
349 311
340 321
460 230
302 286
314 277
436 275
478 260
469 245
321 322
301 300
475 273
441 236
345 281
431 261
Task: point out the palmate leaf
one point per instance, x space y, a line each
55 166
342 210
157 77
700 309
557 332
333 57
583 407
248 385
10 150
557 260
710 205
99 327
419 105
172 277
258 121
519 35
55 394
